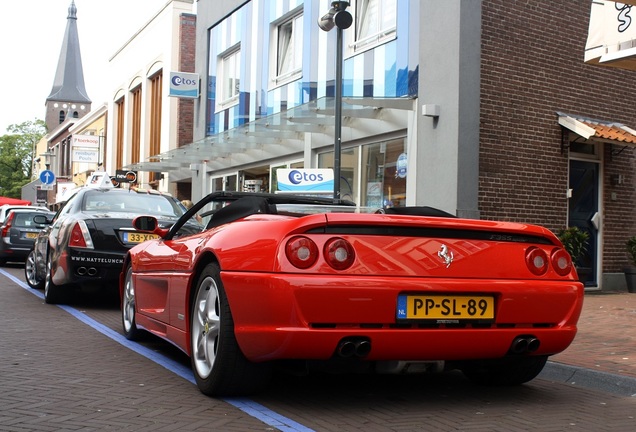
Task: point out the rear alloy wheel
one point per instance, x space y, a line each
505 372
52 292
128 307
219 366
31 272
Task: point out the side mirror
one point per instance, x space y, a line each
145 223
149 224
42 220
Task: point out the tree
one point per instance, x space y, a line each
16 156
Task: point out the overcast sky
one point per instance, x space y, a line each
32 31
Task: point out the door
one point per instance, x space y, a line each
584 214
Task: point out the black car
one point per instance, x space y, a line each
84 244
19 232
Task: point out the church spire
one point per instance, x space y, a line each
68 86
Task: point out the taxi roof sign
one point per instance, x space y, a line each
99 179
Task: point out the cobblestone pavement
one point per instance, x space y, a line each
57 373
606 339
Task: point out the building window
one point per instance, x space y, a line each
135 141
119 133
156 82
62 116
370 175
287 60
229 77
349 171
375 23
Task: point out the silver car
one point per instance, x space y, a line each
18 232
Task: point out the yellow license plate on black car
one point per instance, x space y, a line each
446 307
31 235
135 237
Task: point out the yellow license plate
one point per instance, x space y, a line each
135 237
440 307
31 235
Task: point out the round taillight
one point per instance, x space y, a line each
301 252
339 253
561 261
537 260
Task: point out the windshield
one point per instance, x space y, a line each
131 202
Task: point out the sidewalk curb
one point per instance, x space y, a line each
577 376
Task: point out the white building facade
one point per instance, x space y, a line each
143 118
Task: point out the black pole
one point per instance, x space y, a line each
338 120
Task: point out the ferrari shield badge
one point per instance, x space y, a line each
446 255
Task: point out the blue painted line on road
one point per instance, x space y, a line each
248 406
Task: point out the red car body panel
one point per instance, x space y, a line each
282 312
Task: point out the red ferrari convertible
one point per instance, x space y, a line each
319 282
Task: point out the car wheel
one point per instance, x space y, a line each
505 372
128 307
31 272
220 368
52 292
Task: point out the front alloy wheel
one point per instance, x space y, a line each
220 368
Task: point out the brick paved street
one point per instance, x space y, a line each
606 340
57 373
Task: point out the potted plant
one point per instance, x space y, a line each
574 241
630 271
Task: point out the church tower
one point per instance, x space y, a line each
68 97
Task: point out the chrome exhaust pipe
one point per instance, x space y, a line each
92 271
533 344
354 347
524 344
362 348
346 348
81 271
519 345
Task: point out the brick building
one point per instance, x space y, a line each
533 169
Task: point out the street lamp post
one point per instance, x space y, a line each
340 18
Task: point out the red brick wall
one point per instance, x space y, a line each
532 67
187 39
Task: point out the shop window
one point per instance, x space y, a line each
217 184
231 182
369 174
348 171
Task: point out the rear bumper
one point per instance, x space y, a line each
11 251
79 266
294 316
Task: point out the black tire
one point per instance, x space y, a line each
31 272
128 308
220 368
505 372
52 293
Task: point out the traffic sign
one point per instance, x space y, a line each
47 177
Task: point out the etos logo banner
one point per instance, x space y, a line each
305 180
